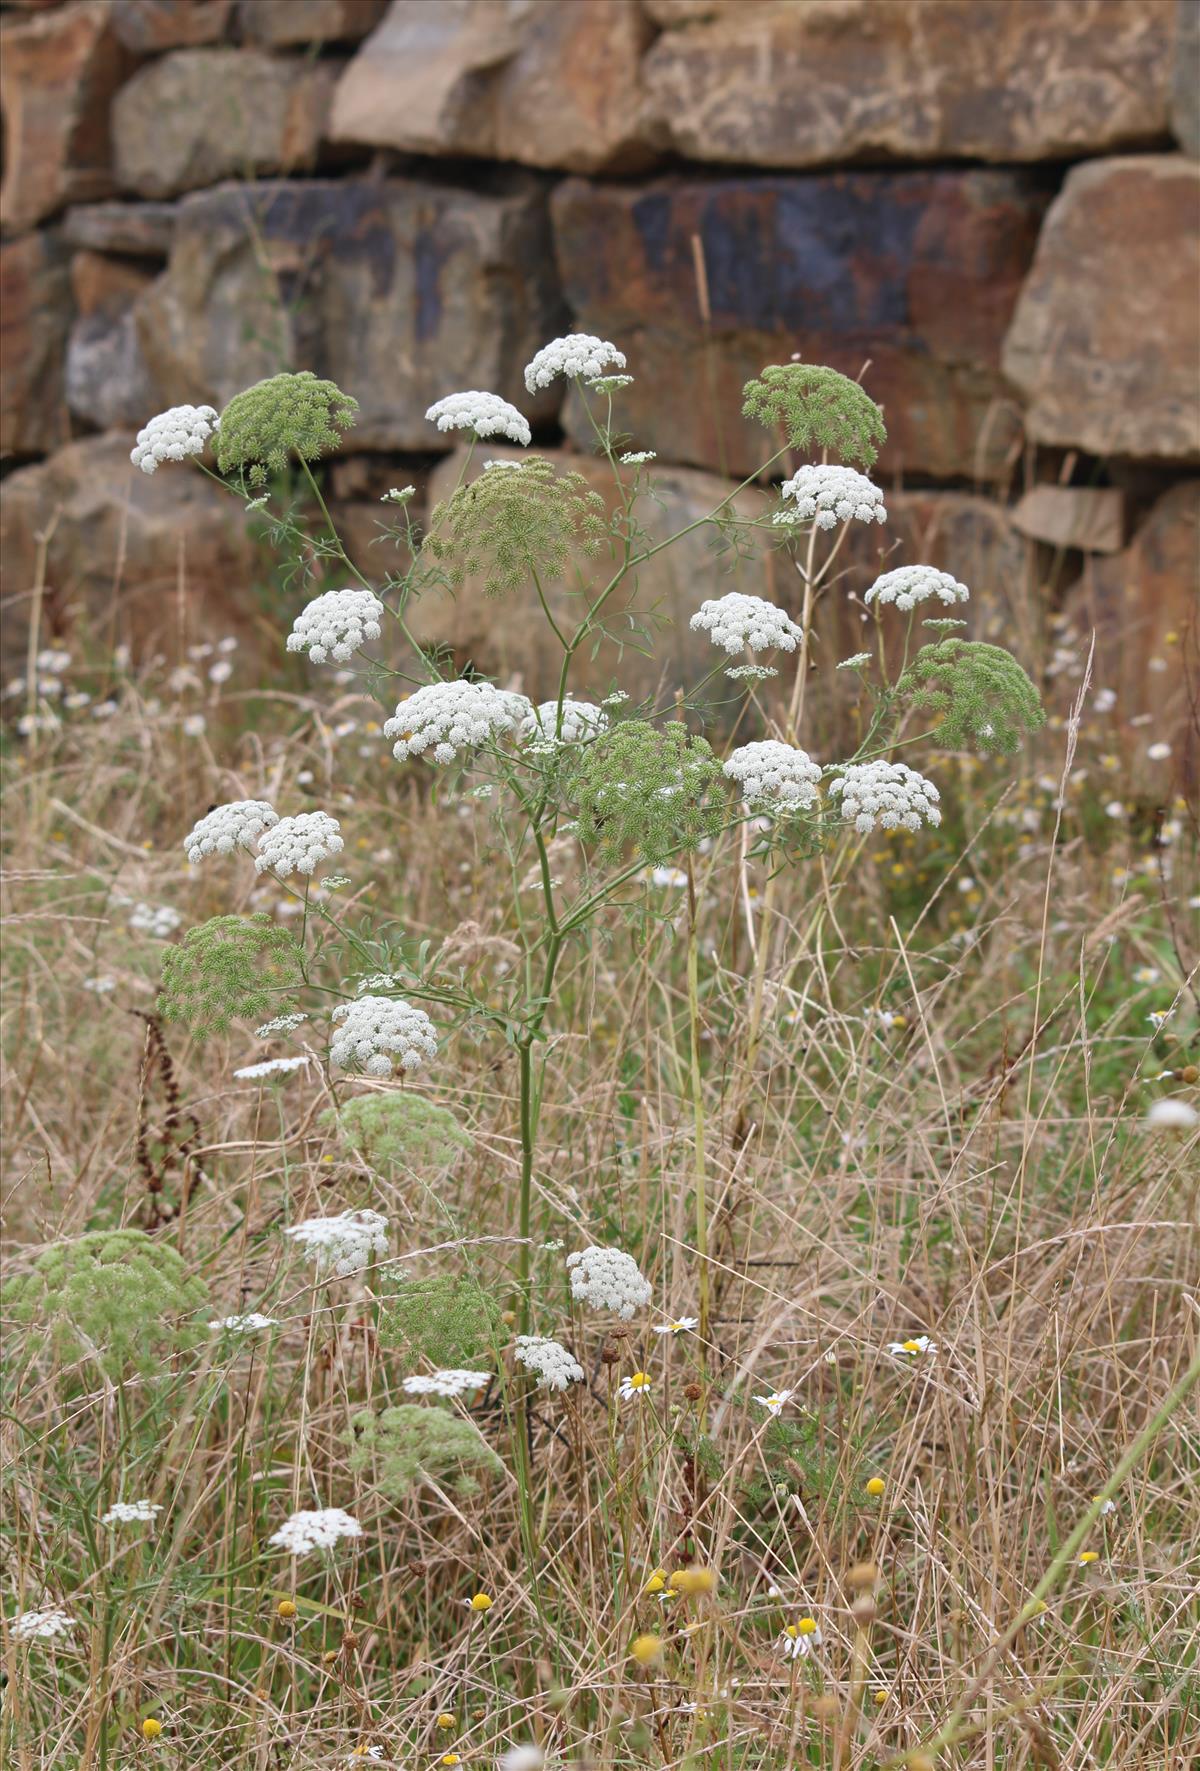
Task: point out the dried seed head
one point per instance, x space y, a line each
863 1574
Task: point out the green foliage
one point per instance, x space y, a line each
409 1443
229 968
400 1131
818 409
515 520
658 791
449 1321
262 428
983 699
117 1294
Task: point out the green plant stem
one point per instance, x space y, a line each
693 989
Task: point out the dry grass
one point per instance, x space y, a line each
977 1171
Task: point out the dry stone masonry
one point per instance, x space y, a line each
995 205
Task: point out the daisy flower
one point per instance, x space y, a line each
912 1349
683 1325
776 1402
638 1385
799 1639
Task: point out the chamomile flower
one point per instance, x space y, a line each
799 1639
635 1387
479 1602
682 1325
919 1346
776 1402
1107 1507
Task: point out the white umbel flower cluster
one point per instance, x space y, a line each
608 1279
270 1067
235 826
378 1032
890 795
344 1244
299 844
486 414
909 585
319 1529
250 1323
735 621
555 1367
773 776
336 625
578 355
173 436
831 495
446 718
31 1625
580 719
446 1383
131 1512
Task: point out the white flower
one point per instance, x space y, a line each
446 1383
44 1624
221 671
51 660
608 1279
250 1323
446 718
1147 974
799 1639
100 986
890 795
776 1402
343 1244
225 828
336 625
193 726
666 876
281 1024
555 1366
1106 700
637 457
907 586
486 414
773 776
831 495
298 844
1107 1507
378 1031
635 1388
1172 1115
270 1067
1159 752
734 621
173 435
580 719
521 1758
131 1512
913 1349
398 495
159 920
578 355
682 1325
854 663
317 1530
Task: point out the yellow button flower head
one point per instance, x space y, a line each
449 1759
151 1728
446 1720
656 1582
694 1580
646 1650
1086 1556
807 1626
480 1602
876 1486
285 1609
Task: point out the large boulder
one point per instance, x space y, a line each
200 115
128 552
776 83
58 73
1105 341
703 281
399 291
509 639
1141 604
514 80
107 382
293 23
35 315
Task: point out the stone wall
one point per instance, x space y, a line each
996 204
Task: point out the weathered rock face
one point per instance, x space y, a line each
1185 78
1142 605
116 526
773 83
1105 341
201 115
285 22
141 230
58 73
919 272
508 79
35 315
150 26
1089 518
509 639
400 292
107 382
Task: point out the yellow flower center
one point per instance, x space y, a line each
481 1602
639 1380
807 1626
